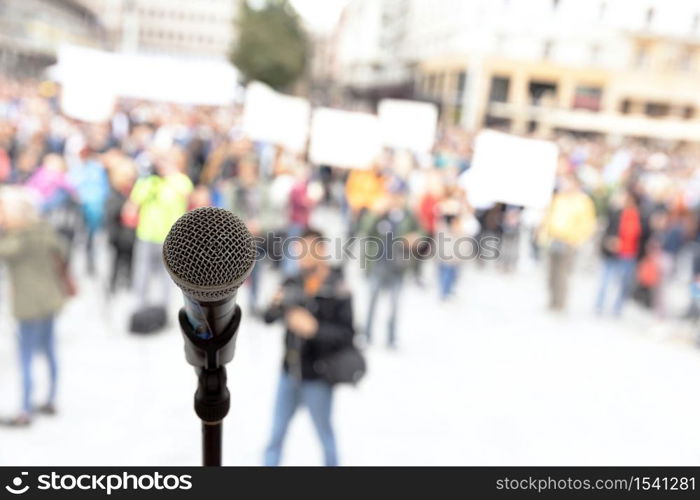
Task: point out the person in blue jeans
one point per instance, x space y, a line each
620 246
317 396
447 274
616 270
316 308
37 337
448 233
34 255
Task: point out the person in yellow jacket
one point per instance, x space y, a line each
363 188
569 222
160 199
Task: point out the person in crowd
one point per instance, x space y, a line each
490 228
316 308
201 197
428 202
672 238
363 188
25 165
395 231
300 203
160 199
90 181
35 256
449 231
620 247
569 222
247 202
428 207
300 206
276 211
5 166
510 239
57 197
121 226
650 270
453 214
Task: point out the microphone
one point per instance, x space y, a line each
209 253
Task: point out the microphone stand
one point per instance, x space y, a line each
211 403
212 400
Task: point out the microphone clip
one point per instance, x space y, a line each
213 352
212 400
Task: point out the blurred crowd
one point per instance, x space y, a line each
66 183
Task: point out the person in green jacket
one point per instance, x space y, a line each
33 253
392 232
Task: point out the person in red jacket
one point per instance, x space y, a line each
620 247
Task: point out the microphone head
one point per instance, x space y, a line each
209 253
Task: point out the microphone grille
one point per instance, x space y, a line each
209 253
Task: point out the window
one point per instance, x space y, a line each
431 84
587 97
461 84
656 110
539 90
601 10
626 107
499 89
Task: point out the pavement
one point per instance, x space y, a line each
488 378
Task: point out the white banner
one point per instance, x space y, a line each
86 93
408 125
273 117
87 101
344 138
154 78
510 169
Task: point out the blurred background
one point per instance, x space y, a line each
557 139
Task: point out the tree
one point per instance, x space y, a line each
272 45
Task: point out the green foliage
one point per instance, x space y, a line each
272 45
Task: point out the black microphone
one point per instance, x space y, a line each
209 253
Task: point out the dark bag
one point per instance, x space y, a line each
148 320
346 366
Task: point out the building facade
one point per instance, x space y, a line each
370 41
626 67
32 30
612 67
196 28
